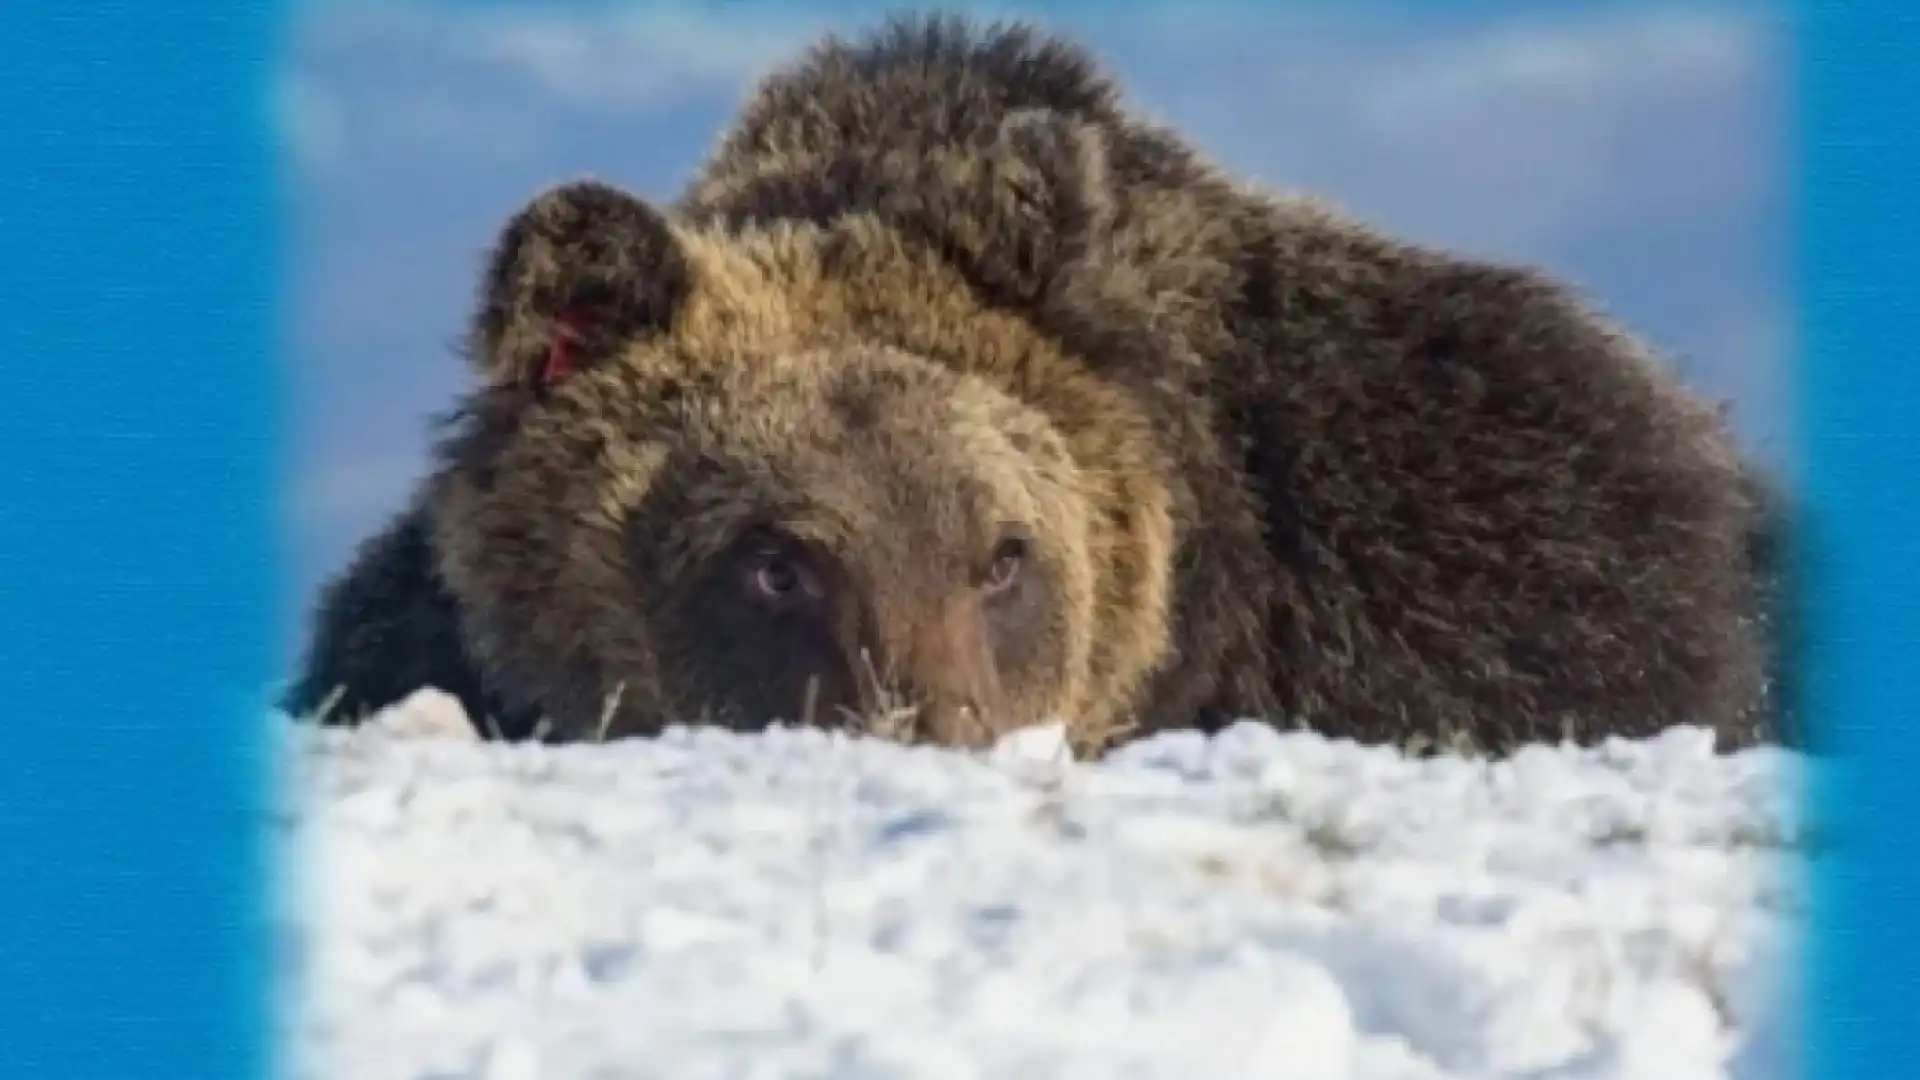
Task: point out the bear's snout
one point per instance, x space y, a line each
945 672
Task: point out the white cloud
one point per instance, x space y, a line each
611 56
649 56
496 85
635 54
1504 134
1562 61
1537 119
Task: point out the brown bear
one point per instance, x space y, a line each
951 394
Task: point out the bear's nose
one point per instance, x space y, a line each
961 723
947 674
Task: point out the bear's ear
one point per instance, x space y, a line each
1059 166
1023 210
1010 207
580 269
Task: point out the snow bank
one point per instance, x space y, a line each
1258 905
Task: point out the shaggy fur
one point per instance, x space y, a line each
938 306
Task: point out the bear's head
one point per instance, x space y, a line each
791 472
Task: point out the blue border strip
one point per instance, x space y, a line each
137 538
1860 395
137 576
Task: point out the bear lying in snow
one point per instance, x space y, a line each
951 393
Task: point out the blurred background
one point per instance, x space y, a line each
1637 150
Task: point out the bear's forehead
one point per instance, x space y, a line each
849 430
791 286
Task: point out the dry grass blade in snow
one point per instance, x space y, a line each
1256 905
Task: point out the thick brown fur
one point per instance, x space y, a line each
936 292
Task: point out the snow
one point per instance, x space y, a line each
1260 904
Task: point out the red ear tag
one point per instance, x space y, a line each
566 331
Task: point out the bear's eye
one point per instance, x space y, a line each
1009 556
778 575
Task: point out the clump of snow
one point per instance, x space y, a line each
1254 905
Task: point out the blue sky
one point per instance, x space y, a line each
1640 151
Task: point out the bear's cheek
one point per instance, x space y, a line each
1038 659
723 661
795 682
545 595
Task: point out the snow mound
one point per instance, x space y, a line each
1249 906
